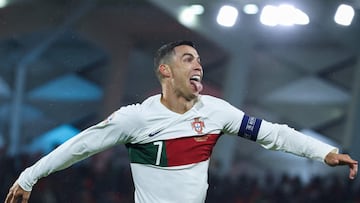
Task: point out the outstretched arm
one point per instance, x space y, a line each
334 159
16 193
90 141
281 137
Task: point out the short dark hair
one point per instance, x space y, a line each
166 50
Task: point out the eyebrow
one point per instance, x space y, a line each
190 54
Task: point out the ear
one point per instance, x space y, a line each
165 70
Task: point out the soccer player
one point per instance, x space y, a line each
170 136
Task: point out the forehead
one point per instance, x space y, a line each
185 50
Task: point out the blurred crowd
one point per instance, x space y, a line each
106 178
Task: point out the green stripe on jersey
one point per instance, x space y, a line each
153 153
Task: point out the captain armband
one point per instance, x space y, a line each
249 128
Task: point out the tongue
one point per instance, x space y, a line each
198 86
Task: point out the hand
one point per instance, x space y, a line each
333 159
16 193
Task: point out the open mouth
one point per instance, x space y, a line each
195 80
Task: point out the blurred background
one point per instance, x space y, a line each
66 65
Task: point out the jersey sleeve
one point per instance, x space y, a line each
270 135
114 130
283 138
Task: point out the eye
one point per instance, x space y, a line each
188 59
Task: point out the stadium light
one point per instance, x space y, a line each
188 15
344 15
227 16
251 9
286 15
197 9
3 3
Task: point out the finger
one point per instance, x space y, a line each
8 197
11 196
345 159
12 199
24 200
353 171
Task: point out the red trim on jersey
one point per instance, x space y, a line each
189 150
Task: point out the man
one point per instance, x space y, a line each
170 136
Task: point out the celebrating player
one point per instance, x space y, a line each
170 136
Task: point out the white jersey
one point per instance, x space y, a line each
170 152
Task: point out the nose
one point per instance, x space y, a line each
198 66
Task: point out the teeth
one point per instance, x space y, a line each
196 78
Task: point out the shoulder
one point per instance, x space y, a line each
129 117
211 100
215 104
137 111
151 101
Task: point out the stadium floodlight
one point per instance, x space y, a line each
188 14
300 17
227 16
344 15
286 15
251 9
268 15
3 3
197 9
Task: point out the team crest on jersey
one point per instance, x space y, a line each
198 125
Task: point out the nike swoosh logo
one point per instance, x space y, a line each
154 133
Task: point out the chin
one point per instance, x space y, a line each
195 95
191 97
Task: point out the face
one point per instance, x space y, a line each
186 72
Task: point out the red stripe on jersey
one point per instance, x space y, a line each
189 150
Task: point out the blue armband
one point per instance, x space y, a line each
249 128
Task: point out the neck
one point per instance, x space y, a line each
177 103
